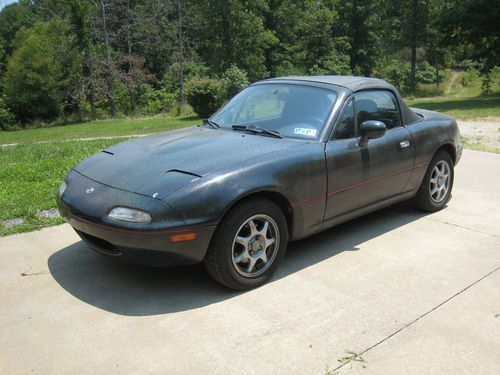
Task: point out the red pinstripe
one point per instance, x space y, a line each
329 194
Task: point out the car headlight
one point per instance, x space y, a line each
129 214
62 188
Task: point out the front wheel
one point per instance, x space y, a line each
435 190
248 245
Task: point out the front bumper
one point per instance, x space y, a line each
147 244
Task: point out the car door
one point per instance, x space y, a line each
360 175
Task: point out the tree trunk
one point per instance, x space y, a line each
129 58
437 70
107 61
87 73
181 54
413 74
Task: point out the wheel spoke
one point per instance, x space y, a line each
242 241
264 229
434 190
251 264
253 228
242 256
269 242
263 257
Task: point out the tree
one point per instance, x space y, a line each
231 32
80 20
358 23
107 59
41 73
409 29
473 25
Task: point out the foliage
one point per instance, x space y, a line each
205 95
192 69
468 76
66 60
39 79
7 118
152 100
234 80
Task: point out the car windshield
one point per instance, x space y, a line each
295 111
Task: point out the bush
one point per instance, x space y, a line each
205 95
7 118
234 80
152 100
191 69
467 77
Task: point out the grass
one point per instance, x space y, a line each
30 176
101 128
471 145
461 108
459 101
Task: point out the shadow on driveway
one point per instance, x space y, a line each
131 290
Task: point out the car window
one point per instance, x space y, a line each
262 105
345 125
378 105
296 111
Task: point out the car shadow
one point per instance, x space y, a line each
131 290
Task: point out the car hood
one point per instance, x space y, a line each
161 163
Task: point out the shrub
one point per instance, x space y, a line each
151 100
205 95
234 80
191 69
467 77
7 118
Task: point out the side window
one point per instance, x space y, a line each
345 125
378 105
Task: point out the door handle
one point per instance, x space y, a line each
404 144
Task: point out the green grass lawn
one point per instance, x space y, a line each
459 101
30 176
461 108
101 128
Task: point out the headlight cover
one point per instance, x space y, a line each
62 188
129 214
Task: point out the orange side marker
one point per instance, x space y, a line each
183 237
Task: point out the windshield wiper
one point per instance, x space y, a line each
257 130
212 124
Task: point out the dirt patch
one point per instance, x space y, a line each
483 135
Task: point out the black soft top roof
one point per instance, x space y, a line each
354 84
351 82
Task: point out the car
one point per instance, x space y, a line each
285 158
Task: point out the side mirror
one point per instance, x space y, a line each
371 129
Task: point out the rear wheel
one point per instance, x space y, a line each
248 245
435 190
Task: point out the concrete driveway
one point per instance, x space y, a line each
396 292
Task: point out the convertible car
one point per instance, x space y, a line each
284 159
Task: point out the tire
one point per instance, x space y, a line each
440 165
238 263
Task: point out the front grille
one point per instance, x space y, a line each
99 244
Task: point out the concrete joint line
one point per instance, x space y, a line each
417 319
463 227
